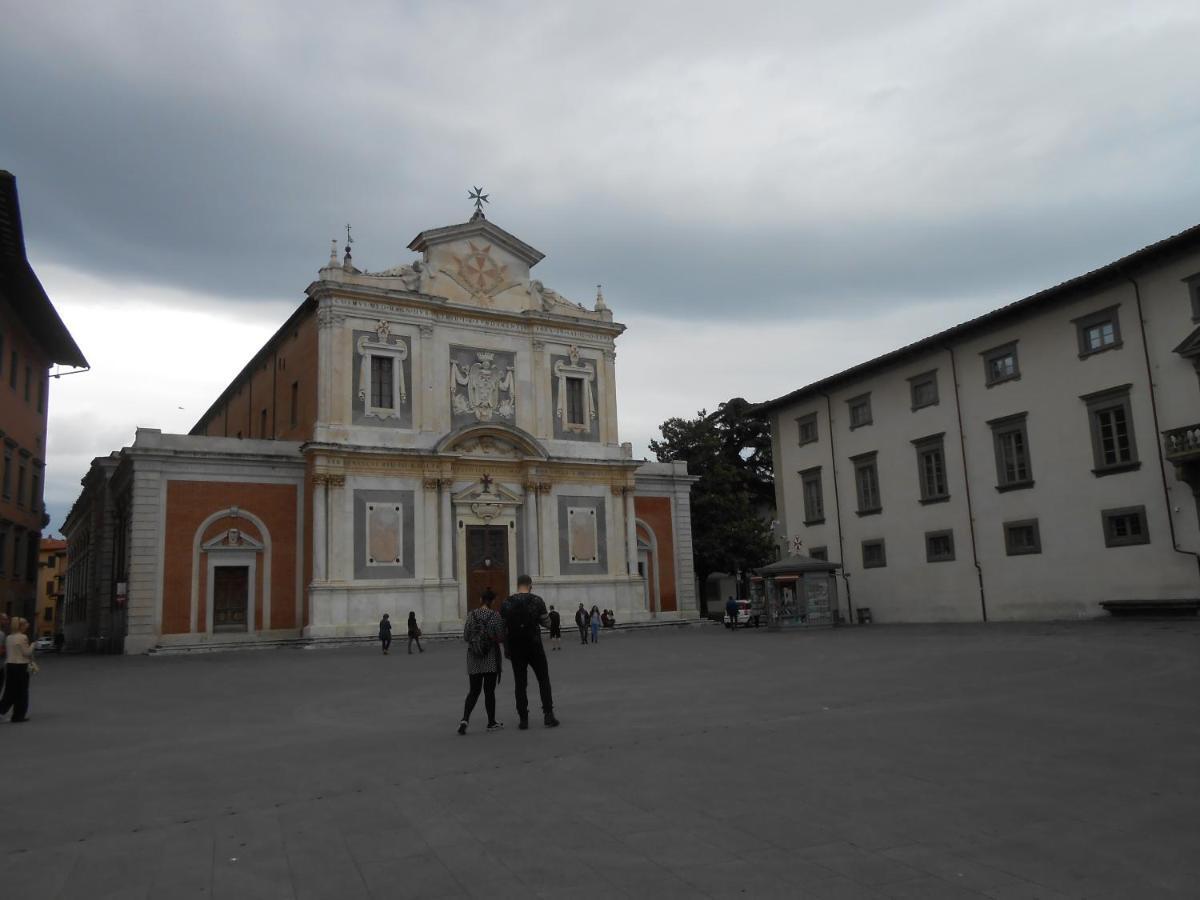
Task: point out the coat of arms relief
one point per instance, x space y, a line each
482 389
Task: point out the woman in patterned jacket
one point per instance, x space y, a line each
482 632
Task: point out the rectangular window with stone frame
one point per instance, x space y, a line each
931 468
860 411
866 480
806 427
1022 537
7 480
814 501
1010 440
1110 421
575 412
1125 526
382 396
1000 364
1098 331
939 546
874 554
924 390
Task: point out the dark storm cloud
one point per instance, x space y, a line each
774 159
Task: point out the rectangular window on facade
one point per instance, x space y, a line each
874 555
1000 364
12 371
262 423
1021 538
7 485
1111 421
931 468
1193 286
295 403
866 479
48 614
1011 443
814 501
28 383
807 427
20 485
819 553
3 551
939 546
16 566
1098 331
41 401
35 491
860 411
381 382
575 401
1126 526
924 389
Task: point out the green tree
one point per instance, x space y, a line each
730 451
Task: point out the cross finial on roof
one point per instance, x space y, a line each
480 198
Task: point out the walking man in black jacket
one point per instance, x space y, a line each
581 622
525 615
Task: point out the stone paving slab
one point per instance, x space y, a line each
1004 761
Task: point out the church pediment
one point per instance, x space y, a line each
232 539
480 233
492 442
488 491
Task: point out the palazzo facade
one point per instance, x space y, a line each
408 439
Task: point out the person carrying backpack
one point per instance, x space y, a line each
483 632
524 615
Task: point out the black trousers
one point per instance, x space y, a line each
583 634
524 659
16 691
486 682
386 640
413 637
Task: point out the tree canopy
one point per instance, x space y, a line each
730 451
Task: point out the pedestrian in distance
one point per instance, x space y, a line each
731 610
414 632
594 621
555 629
60 641
5 628
483 632
525 615
581 622
385 632
18 664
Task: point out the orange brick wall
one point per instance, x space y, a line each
188 504
291 360
656 513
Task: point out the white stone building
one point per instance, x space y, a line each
1027 464
408 439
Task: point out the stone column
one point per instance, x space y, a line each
543 416
446 530
320 529
608 405
548 529
533 547
630 532
334 532
424 407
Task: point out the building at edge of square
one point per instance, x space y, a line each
406 440
1028 464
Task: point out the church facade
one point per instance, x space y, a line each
408 439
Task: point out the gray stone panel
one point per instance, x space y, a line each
600 567
365 572
560 432
502 362
403 418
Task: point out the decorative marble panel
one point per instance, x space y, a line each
384 539
582 535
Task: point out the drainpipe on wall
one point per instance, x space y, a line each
962 445
1162 462
837 507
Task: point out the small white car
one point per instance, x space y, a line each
43 644
746 618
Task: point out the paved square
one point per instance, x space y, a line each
1009 761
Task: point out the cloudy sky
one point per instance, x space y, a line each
769 192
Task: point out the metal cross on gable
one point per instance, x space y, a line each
487 483
479 197
349 240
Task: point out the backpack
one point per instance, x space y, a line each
479 642
521 619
